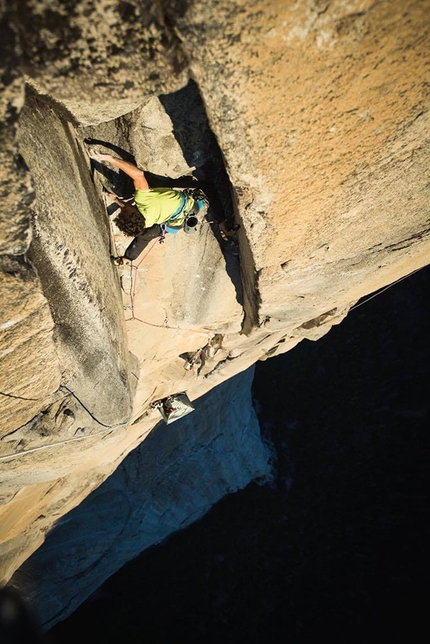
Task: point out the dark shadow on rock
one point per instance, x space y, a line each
201 151
157 489
339 544
200 148
17 623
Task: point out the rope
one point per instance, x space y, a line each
68 440
384 289
134 270
108 428
147 253
88 411
3 393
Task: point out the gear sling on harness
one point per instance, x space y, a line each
140 242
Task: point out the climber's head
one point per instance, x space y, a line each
130 221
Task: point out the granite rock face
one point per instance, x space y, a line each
321 111
306 121
162 486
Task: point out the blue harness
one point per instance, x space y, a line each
165 228
175 215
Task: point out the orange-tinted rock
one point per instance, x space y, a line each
320 110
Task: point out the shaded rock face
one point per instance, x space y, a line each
162 486
116 50
342 529
306 121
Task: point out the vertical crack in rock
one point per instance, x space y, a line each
188 33
201 151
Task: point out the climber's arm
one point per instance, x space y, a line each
116 199
138 176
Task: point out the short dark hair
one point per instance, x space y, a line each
130 221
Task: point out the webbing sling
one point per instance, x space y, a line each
179 210
175 215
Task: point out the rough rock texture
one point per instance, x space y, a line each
100 57
89 326
320 110
29 369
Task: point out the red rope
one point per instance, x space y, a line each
147 253
133 280
159 326
133 292
133 295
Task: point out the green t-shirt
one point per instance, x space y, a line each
157 205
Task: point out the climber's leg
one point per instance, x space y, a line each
140 242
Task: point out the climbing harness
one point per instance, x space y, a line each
189 224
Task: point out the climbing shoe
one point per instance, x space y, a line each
225 234
117 261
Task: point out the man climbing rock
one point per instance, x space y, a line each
170 208
174 209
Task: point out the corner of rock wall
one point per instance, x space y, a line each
30 372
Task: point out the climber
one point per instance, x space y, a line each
173 209
170 208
